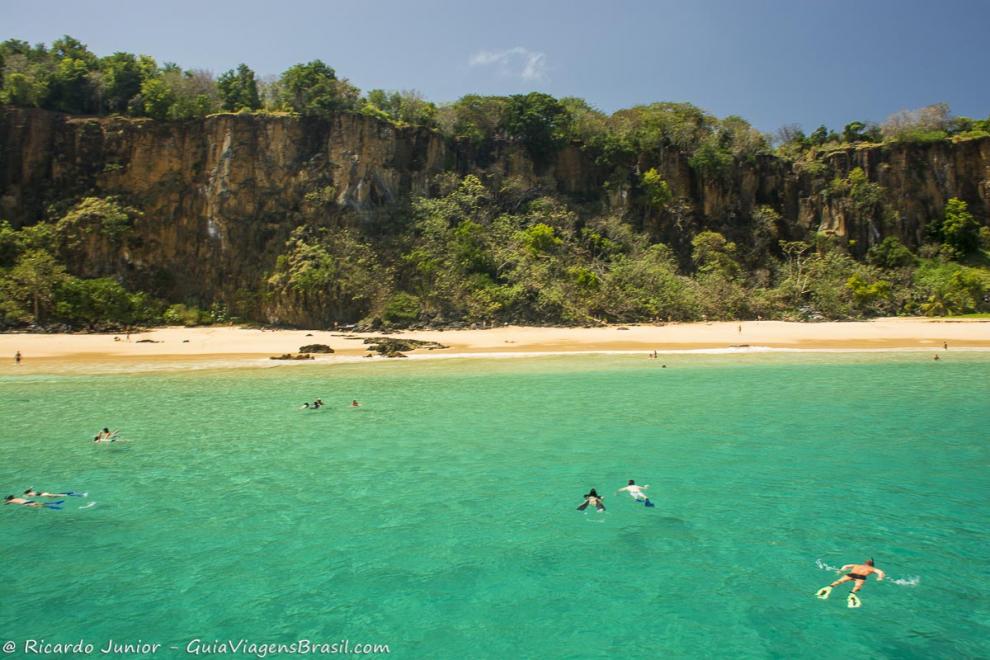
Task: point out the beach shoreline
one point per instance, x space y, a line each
235 344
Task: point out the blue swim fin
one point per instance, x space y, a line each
73 493
57 506
648 503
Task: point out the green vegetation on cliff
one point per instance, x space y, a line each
650 224
476 255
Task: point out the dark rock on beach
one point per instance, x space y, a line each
315 348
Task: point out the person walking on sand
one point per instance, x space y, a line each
857 574
17 358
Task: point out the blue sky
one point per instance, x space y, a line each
773 62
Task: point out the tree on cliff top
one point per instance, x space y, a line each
923 124
408 107
123 74
539 121
473 117
313 89
239 89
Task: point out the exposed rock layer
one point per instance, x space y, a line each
220 195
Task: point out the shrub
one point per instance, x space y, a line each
401 309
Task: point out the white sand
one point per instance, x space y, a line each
237 343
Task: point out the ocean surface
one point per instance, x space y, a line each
440 517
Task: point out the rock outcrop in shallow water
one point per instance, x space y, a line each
219 196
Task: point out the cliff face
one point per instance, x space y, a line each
219 196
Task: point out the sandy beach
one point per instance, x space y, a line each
235 343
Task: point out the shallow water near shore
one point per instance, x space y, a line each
439 518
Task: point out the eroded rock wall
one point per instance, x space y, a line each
220 195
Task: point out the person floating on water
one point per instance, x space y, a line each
592 497
31 492
355 404
315 405
858 574
10 499
106 435
636 492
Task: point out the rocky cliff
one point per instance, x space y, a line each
219 196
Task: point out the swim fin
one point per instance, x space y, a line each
57 506
583 507
73 493
824 592
647 503
854 601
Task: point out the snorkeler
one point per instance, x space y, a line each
10 499
592 497
106 435
31 492
858 574
637 492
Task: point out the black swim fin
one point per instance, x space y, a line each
583 507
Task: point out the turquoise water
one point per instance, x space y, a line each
439 518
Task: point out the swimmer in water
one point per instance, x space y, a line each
636 492
106 435
31 492
10 499
592 497
355 404
857 574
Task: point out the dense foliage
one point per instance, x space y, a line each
494 250
68 77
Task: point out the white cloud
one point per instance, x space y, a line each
515 62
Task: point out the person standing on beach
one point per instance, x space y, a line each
17 358
857 574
